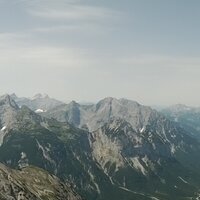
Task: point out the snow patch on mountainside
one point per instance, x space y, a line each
142 129
2 134
40 111
173 148
3 128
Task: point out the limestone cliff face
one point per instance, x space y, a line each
117 145
94 116
32 183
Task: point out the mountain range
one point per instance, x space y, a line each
186 116
114 149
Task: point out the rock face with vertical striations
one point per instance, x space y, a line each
8 113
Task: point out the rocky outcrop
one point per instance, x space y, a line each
32 183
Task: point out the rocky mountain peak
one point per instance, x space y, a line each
6 100
8 113
127 101
95 116
73 104
105 102
40 96
41 102
13 96
134 113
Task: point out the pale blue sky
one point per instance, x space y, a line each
145 50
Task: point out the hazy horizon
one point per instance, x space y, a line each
88 50
154 106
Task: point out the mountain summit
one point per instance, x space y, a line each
39 101
40 96
115 149
93 117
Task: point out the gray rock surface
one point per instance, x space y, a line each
32 183
38 101
93 117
